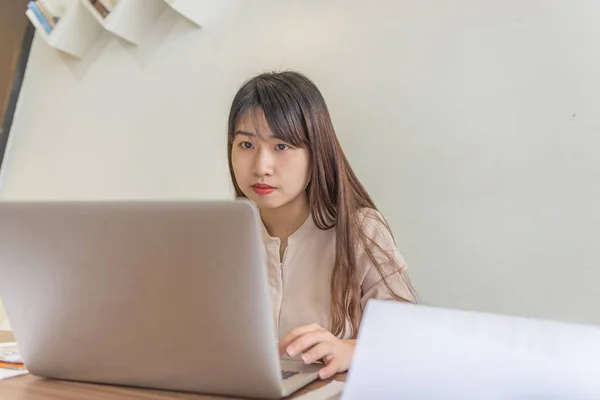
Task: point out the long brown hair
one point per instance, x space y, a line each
297 114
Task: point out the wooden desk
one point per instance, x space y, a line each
32 388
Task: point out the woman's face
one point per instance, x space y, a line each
270 172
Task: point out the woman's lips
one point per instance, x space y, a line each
262 189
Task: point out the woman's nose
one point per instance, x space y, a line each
263 163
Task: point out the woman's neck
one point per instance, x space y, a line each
283 221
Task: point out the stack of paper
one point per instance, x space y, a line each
11 363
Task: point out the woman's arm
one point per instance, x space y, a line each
383 275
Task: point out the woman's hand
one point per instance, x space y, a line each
316 343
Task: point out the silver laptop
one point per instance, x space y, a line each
159 294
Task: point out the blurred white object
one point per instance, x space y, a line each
414 351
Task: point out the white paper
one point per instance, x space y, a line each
414 351
10 373
9 353
10 357
331 391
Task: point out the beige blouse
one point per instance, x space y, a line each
300 282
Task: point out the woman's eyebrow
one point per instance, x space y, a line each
244 133
250 134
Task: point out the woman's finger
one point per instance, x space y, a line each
308 340
320 351
294 334
329 370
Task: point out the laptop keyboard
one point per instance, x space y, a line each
288 374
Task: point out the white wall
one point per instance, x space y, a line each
474 124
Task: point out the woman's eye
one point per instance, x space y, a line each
246 145
282 147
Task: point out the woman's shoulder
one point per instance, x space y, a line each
377 254
365 214
370 219
374 226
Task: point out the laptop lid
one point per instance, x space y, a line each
162 294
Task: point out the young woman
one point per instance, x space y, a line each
328 248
